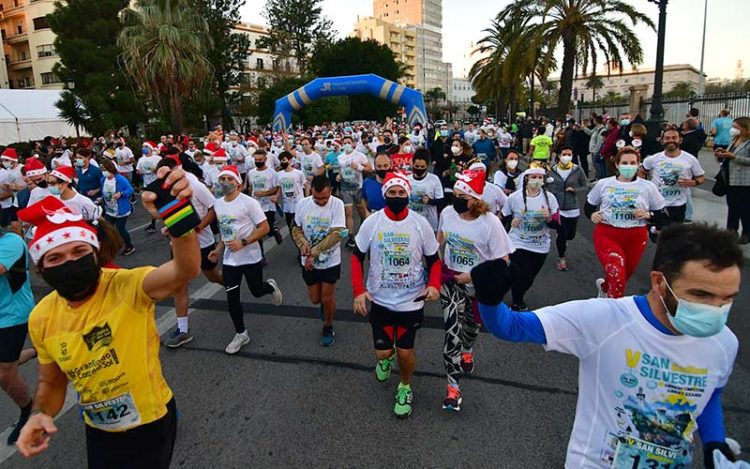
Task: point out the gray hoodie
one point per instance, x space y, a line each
576 179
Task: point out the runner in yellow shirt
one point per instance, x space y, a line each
97 330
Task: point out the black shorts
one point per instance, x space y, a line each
149 445
11 342
206 264
315 276
399 327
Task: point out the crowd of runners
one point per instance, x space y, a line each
456 214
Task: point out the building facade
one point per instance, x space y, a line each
402 41
461 92
620 83
426 18
28 51
262 67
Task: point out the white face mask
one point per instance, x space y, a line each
456 150
406 149
734 132
565 160
511 164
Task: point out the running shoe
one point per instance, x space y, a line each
150 229
467 363
276 297
453 400
351 244
383 368
600 293
128 251
239 341
177 339
13 437
562 264
404 396
329 338
277 236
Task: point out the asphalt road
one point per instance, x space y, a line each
284 401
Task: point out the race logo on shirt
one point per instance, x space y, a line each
287 187
622 206
669 173
316 229
227 227
462 254
656 419
396 261
99 335
533 227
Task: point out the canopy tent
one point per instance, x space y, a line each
31 115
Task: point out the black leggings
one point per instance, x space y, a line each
528 264
738 202
566 231
289 220
120 224
233 274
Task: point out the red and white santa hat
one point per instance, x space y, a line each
150 145
34 167
55 225
396 179
9 154
64 173
211 148
472 182
220 156
231 170
478 166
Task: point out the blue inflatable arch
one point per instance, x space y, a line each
355 84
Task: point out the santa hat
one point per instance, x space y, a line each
212 147
231 170
55 225
64 173
9 154
472 182
393 179
478 166
34 167
150 145
220 155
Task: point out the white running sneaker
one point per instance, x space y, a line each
600 292
276 297
239 341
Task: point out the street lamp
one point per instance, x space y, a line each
656 119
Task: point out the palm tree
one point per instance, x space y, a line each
435 95
164 50
612 97
683 89
586 29
594 83
72 110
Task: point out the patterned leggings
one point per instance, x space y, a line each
461 329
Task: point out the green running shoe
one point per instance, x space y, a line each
383 369
404 396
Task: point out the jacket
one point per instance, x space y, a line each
692 141
88 181
739 166
576 179
124 207
597 140
610 143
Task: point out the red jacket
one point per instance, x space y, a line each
609 148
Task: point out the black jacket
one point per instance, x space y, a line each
692 142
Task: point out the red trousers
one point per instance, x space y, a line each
619 250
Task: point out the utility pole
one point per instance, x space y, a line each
702 82
656 119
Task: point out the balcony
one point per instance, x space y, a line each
19 64
11 12
17 38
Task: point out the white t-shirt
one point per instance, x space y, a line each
351 166
666 171
533 234
501 179
292 188
618 200
494 197
504 139
316 222
211 179
237 220
430 186
639 389
202 201
469 243
261 181
237 155
124 155
62 160
147 167
82 205
108 191
37 194
396 276
309 164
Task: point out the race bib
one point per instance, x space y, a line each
114 414
671 192
633 453
396 262
461 254
287 187
348 173
623 217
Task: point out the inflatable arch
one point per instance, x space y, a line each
350 85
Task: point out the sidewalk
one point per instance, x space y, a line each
706 206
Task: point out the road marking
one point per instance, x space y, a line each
133 230
165 322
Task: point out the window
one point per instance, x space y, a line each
259 64
40 23
19 28
45 51
49 78
261 82
23 56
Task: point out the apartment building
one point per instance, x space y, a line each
261 67
402 41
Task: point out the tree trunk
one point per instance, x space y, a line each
175 107
566 77
78 132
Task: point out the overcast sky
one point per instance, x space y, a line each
726 33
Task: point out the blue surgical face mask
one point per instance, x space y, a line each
627 170
54 190
145 151
79 162
697 319
443 133
625 122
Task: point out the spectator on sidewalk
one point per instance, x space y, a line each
720 128
738 166
693 136
609 147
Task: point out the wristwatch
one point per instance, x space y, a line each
244 242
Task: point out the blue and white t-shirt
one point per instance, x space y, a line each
16 300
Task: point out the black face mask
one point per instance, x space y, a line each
419 173
381 173
42 184
284 165
260 164
387 140
74 280
397 204
460 205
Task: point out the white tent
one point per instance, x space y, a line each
31 115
